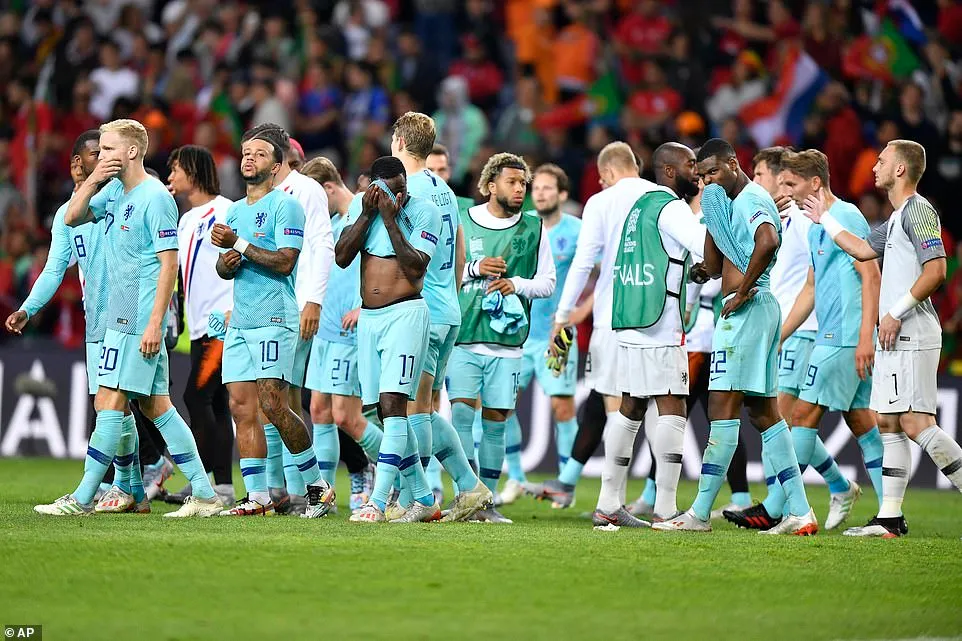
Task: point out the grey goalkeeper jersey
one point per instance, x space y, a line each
908 240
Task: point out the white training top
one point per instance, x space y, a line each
701 298
680 232
317 254
792 264
204 290
541 286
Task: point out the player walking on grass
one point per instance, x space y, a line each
84 245
261 340
332 374
140 226
193 176
396 236
844 296
744 235
549 190
411 142
789 276
509 265
904 386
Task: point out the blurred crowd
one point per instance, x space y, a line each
554 80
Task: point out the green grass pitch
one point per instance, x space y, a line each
548 576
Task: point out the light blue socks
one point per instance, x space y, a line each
491 452
871 444
327 449
565 432
100 453
778 441
512 448
183 451
722 441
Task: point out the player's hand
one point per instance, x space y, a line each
105 170
864 358
698 274
223 236
552 343
369 200
888 332
783 202
16 321
310 319
232 259
736 301
349 321
503 285
814 206
389 208
492 266
227 317
150 343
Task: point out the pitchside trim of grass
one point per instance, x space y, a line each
548 576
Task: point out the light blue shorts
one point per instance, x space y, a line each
832 381
793 362
333 369
391 343
533 365
123 367
744 355
93 364
301 351
495 379
440 345
259 353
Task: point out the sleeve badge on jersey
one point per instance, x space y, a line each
167 233
932 242
428 236
755 215
291 231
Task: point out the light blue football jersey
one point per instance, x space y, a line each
564 240
752 208
419 220
343 295
84 244
264 298
440 283
138 225
838 287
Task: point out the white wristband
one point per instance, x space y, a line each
903 306
832 226
241 245
561 318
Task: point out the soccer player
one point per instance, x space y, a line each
193 177
788 279
313 269
140 226
904 386
262 335
509 265
84 245
844 295
411 142
622 186
439 161
396 235
549 190
332 373
744 233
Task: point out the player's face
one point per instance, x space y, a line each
89 156
178 179
509 189
257 161
113 146
438 163
885 169
797 187
716 171
765 179
395 145
686 181
545 194
398 186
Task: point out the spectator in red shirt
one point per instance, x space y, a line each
77 120
32 125
820 44
654 105
483 76
843 134
950 21
642 34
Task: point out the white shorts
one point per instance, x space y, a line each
905 381
601 364
653 371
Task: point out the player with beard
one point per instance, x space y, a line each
509 264
549 190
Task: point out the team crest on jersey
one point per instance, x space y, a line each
562 243
128 212
519 245
260 219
